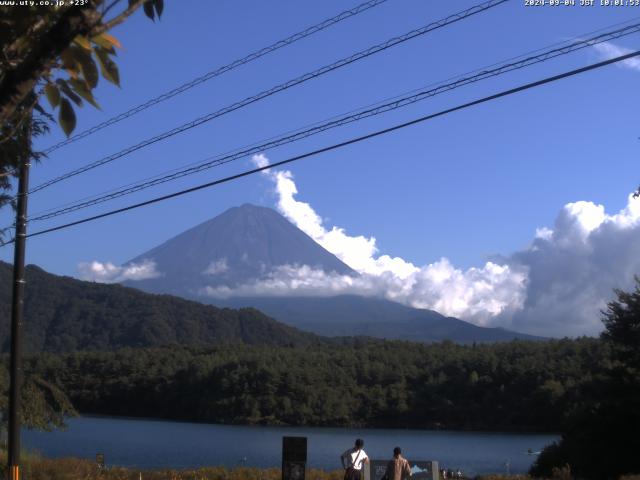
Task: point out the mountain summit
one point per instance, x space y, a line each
248 243
241 245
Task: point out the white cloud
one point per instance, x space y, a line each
216 267
358 252
556 286
260 160
109 273
476 293
287 280
544 233
608 50
573 269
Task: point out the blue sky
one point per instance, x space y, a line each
467 187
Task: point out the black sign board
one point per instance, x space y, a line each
294 458
420 470
100 460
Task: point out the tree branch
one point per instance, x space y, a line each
103 27
36 30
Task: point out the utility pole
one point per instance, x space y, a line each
17 309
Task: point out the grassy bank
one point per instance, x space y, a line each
37 468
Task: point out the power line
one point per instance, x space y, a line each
284 86
339 121
395 97
219 71
336 146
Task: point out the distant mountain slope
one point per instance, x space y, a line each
245 244
240 245
65 314
350 315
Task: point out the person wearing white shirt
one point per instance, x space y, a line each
353 460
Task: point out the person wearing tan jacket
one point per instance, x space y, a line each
398 468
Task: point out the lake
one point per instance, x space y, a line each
156 444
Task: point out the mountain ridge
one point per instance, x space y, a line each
352 315
64 314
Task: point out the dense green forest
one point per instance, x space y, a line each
517 385
63 314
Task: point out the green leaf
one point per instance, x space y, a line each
108 67
148 9
64 86
67 117
81 89
87 66
159 5
53 94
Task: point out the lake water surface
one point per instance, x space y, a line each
156 444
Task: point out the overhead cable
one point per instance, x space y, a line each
278 88
336 146
219 71
340 121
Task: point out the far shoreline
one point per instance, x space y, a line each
324 427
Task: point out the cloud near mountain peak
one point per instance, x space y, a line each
556 286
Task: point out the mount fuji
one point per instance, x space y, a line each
249 243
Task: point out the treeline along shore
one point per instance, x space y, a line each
524 386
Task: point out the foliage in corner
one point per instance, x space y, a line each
61 51
600 438
622 331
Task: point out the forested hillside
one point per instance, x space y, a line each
510 386
63 314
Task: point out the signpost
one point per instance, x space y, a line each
294 458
